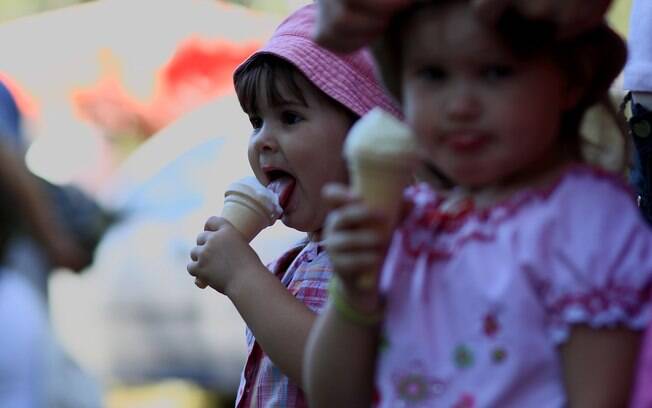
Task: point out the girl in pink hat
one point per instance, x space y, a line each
301 100
527 284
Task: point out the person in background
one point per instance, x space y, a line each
33 241
638 80
508 289
34 370
301 101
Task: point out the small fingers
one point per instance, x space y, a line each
194 253
336 195
354 216
200 283
352 266
213 223
353 241
203 237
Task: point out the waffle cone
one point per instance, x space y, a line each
381 183
245 215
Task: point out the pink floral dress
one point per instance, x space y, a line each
479 301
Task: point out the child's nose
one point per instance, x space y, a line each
462 103
265 140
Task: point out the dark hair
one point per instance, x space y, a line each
592 60
270 70
274 72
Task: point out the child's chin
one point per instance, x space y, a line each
298 225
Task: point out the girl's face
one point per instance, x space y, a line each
481 115
296 148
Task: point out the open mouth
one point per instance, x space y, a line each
282 184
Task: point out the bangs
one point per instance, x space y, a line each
261 80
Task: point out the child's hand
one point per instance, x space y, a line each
221 257
346 25
356 239
571 16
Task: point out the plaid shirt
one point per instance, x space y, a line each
305 270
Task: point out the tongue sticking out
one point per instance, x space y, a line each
283 188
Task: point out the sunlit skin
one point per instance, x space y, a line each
486 119
304 140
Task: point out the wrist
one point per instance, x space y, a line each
366 310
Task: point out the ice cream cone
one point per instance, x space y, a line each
250 208
380 152
381 185
246 215
381 155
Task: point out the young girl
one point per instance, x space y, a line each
301 101
527 284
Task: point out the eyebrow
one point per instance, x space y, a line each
292 102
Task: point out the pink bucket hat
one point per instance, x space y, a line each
350 79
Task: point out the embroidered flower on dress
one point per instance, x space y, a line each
498 355
466 400
463 356
415 388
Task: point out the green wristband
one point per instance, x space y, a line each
347 311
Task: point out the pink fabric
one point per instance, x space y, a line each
478 302
638 71
349 79
305 270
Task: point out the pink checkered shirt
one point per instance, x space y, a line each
305 270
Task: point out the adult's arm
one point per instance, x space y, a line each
346 25
33 206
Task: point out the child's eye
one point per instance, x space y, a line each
290 118
432 73
256 122
497 72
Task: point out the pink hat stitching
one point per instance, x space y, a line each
349 79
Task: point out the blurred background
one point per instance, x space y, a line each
130 102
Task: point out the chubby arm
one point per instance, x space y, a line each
598 366
340 362
280 322
341 352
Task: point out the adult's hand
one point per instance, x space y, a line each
570 16
346 25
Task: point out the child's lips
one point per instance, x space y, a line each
466 141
